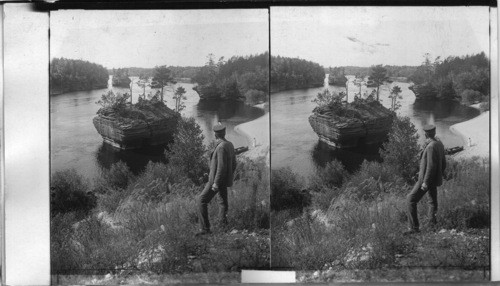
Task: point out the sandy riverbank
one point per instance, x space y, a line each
478 130
258 129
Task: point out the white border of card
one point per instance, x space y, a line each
25 180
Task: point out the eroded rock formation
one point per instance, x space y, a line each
137 126
353 124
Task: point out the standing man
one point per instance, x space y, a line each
432 166
222 166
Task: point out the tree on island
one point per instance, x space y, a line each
121 78
466 78
66 75
179 96
293 73
238 78
358 81
378 76
394 96
143 82
162 76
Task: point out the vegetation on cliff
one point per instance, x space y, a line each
68 75
345 125
145 224
344 226
294 73
464 78
129 126
238 78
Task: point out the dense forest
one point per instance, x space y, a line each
465 78
68 75
238 78
392 71
294 73
177 71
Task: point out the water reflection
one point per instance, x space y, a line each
136 160
226 110
351 158
294 144
443 109
76 144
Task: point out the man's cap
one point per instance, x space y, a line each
429 128
219 128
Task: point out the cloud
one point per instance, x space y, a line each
352 39
382 44
364 47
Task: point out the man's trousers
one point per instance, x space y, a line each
414 197
204 199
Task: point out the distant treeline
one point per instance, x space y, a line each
294 73
392 71
68 75
238 78
177 72
466 78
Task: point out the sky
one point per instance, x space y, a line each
365 36
142 38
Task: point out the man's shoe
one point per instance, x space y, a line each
411 231
203 232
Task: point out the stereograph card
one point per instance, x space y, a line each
268 144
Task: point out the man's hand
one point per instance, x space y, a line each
424 187
215 187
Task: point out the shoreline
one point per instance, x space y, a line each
478 130
255 130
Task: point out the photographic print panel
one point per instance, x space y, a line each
364 101
153 114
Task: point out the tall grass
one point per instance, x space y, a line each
148 224
363 224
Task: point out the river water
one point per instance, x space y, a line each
294 144
76 144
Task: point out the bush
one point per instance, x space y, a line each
159 182
326 183
400 152
286 191
484 106
464 198
186 153
380 172
254 96
89 244
304 244
69 193
470 96
116 178
163 233
249 198
332 175
114 101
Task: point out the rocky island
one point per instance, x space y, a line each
210 92
347 125
121 78
424 91
133 126
337 76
